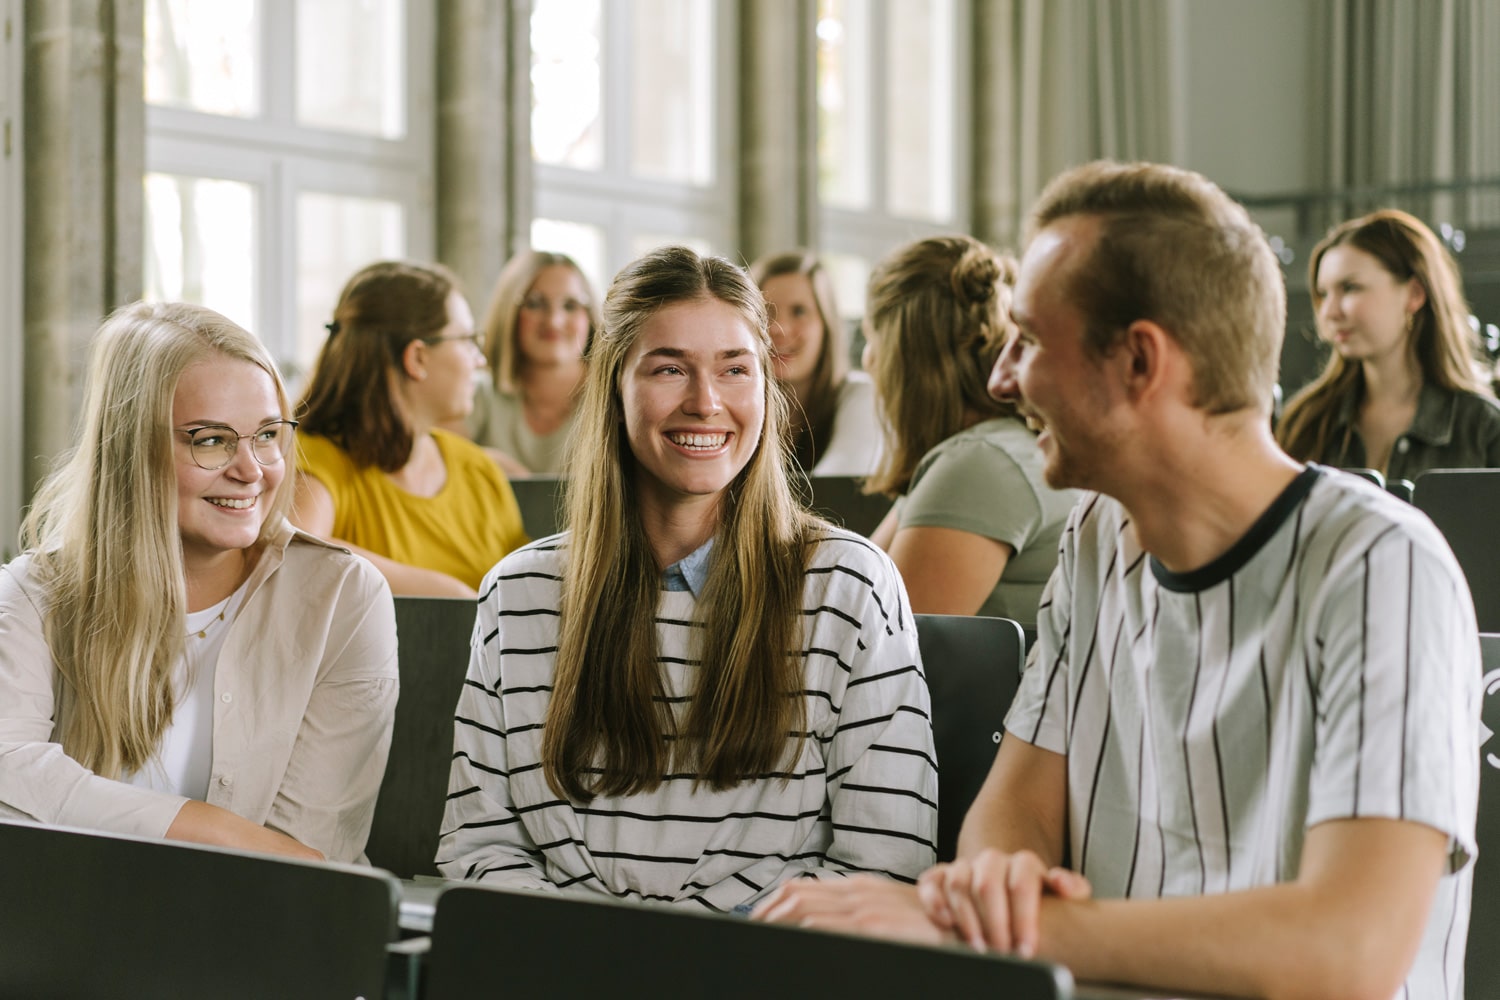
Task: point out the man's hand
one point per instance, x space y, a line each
993 900
861 904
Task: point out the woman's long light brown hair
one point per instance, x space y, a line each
608 731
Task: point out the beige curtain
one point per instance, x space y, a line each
1061 82
1411 89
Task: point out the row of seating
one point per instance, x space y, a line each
89 915
973 666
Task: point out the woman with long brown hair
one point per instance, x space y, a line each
1402 392
699 690
427 507
833 425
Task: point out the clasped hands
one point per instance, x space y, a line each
991 902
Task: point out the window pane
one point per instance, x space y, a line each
336 236
357 84
567 119
843 104
672 90
204 56
201 244
851 277
584 243
643 242
920 91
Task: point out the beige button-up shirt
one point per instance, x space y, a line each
305 693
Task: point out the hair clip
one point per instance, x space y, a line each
332 328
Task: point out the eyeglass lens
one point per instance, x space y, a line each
215 447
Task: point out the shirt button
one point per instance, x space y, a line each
1402 445
226 697
226 780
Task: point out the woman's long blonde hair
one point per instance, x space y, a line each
104 534
937 316
605 724
1441 341
820 407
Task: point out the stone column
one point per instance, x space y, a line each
483 138
778 126
85 163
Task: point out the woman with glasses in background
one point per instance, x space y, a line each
537 331
175 659
428 508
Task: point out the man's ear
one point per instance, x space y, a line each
414 360
1146 358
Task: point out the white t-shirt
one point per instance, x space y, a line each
185 757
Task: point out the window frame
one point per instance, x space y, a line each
623 206
872 232
282 159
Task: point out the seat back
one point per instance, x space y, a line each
973 666
92 915
1482 960
528 944
1402 489
842 500
1463 504
432 635
538 497
1373 475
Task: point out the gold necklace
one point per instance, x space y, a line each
203 633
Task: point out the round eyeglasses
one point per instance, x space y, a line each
213 445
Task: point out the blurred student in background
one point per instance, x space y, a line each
974 529
430 509
833 424
1402 392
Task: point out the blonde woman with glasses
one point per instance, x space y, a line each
175 659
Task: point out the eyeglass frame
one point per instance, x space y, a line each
476 338
233 446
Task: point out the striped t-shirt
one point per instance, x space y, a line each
860 797
1325 667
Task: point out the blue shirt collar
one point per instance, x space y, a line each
690 572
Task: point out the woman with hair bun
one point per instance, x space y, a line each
430 509
699 690
175 659
1402 392
974 529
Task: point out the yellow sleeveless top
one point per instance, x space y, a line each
462 530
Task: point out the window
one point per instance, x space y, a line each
892 157
288 144
12 466
632 128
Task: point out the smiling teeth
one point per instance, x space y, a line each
705 441
234 504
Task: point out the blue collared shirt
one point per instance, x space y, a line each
690 572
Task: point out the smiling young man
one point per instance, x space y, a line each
1243 758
